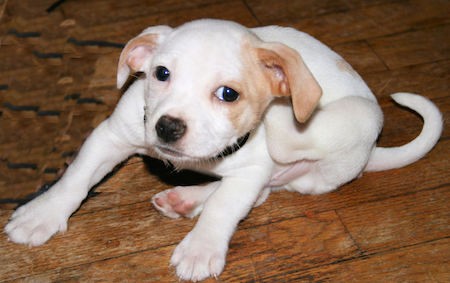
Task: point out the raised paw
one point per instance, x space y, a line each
180 201
34 223
197 258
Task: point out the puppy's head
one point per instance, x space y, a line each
209 82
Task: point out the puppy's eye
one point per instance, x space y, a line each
162 73
226 94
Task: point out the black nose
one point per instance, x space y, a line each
170 129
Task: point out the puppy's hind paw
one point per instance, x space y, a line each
176 202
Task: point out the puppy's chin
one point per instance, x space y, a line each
168 153
176 155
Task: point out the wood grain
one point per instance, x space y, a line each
399 221
316 240
428 262
423 46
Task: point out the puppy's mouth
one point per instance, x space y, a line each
175 155
170 152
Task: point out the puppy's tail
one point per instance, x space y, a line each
384 158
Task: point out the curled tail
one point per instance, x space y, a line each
384 158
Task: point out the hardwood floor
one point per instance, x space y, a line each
57 82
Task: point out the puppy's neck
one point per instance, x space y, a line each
234 147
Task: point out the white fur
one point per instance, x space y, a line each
333 147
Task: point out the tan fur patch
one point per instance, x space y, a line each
270 70
246 113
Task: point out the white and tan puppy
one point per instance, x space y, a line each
264 108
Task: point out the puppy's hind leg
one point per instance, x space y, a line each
344 131
183 201
328 174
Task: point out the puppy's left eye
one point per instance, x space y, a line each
226 94
162 73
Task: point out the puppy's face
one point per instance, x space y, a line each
206 85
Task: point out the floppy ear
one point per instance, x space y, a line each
289 76
137 51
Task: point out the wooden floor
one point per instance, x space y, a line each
57 82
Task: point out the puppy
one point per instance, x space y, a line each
263 108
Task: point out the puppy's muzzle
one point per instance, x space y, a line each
170 129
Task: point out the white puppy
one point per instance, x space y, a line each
262 108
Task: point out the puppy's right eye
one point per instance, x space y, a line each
162 73
226 94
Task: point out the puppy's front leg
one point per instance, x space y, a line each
202 252
118 137
35 222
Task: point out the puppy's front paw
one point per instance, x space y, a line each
197 258
177 202
34 223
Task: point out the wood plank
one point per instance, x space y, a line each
374 21
83 12
32 131
338 28
17 79
413 48
123 31
400 221
30 16
428 262
80 74
272 11
144 266
254 253
29 9
93 237
15 57
105 71
404 16
368 3
299 243
361 57
100 86
430 80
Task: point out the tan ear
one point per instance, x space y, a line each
137 51
289 76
